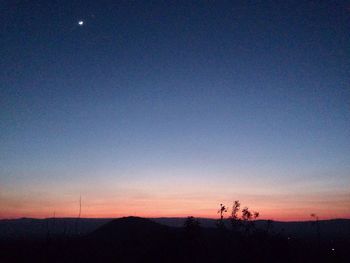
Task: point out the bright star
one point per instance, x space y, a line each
80 22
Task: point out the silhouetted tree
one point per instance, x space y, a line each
235 209
246 214
221 211
192 227
234 218
248 218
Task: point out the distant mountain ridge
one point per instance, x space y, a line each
25 228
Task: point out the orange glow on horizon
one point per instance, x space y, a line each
165 200
105 212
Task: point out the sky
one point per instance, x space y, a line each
169 108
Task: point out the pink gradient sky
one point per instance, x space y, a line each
173 111
173 197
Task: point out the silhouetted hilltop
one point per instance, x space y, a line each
130 239
130 227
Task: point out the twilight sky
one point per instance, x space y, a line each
171 108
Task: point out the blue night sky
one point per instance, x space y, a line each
170 108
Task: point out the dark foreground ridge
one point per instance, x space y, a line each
135 239
31 228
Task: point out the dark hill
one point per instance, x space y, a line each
131 239
130 228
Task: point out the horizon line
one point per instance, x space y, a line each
170 217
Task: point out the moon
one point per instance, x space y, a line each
80 22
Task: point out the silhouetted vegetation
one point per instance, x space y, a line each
223 209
